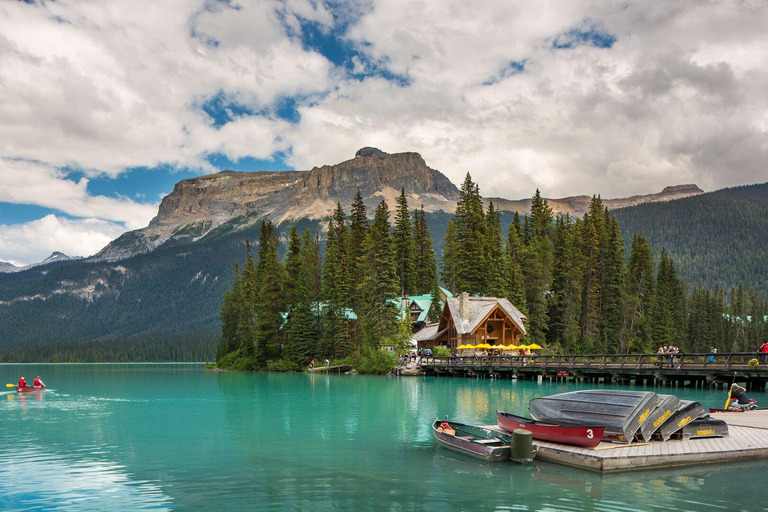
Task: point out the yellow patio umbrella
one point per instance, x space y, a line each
534 346
464 347
484 345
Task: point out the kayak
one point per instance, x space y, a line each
565 433
29 389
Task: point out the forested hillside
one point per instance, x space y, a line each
719 238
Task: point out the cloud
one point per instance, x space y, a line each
34 183
578 97
32 242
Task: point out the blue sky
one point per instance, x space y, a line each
105 106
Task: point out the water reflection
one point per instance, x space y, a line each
31 478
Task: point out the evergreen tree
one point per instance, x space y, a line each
358 228
230 317
292 266
515 257
668 313
303 321
405 248
498 266
593 233
537 267
426 267
249 288
565 303
270 301
638 303
464 259
614 275
379 284
336 337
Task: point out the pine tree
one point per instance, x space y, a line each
303 321
230 317
565 304
249 288
379 284
358 228
537 267
464 259
405 248
614 275
336 337
498 266
426 267
292 266
270 301
515 257
668 313
639 294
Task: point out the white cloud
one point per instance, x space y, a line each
32 242
106 86
34 183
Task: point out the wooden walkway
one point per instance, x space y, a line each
748 439
338 368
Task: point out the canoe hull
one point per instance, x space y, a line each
621 412
577 435
29 390
499 452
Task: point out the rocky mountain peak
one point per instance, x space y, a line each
369 151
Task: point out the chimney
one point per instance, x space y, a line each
464 306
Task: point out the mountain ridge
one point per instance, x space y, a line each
200 205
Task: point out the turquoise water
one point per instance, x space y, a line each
128 437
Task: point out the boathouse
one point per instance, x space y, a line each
474 320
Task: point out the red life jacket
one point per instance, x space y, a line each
22 383
38 383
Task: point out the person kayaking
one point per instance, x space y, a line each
22 382
39 383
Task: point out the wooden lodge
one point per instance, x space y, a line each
474 320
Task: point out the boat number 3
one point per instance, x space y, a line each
590 435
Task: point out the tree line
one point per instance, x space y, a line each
282 314
571 277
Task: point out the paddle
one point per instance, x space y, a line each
728 401
10 385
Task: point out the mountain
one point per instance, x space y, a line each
230 201
200 205
577 206
718 238
55 257
166 281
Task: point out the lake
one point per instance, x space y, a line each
128 437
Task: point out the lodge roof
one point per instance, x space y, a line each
478 309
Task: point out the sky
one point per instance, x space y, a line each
105 105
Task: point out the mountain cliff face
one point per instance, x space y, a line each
230 201
199 205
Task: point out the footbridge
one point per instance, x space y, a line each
694 369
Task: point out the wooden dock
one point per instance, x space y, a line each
748 440
338 368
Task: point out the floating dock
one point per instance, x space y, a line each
747 440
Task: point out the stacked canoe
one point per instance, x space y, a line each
628 415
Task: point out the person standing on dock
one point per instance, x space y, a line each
327 363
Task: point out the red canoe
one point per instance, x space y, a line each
29 389
579 435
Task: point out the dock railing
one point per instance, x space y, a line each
734 361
